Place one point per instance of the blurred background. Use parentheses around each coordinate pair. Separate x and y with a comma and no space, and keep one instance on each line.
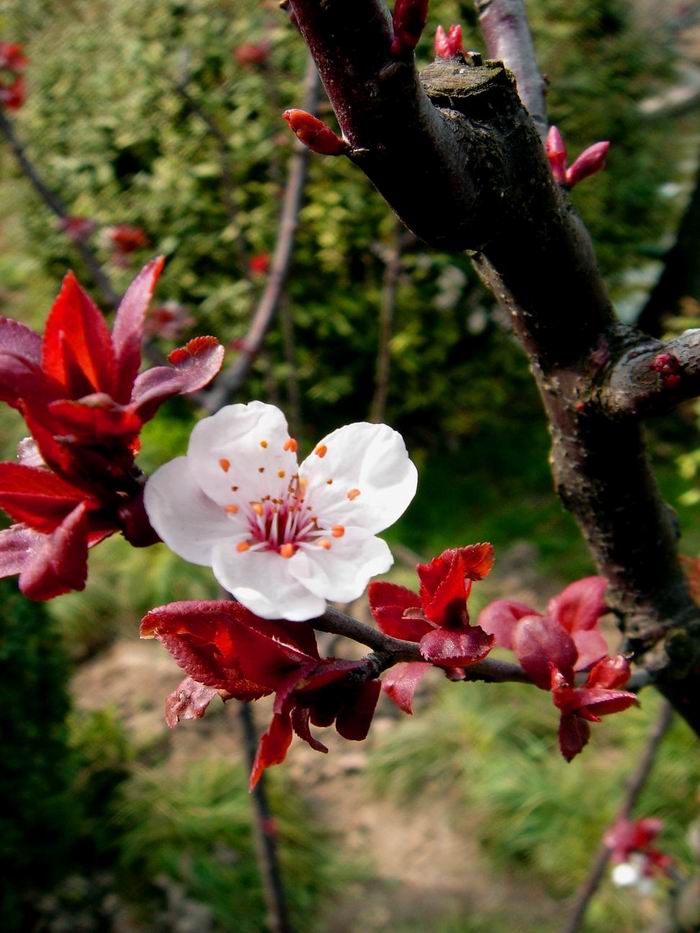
(165,116)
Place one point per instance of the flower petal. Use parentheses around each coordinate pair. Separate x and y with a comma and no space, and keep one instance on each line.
(401,681)
(500,617)
(262,581)
(342,572)
(127,332)
(231,447)
(185,518)
(373,480)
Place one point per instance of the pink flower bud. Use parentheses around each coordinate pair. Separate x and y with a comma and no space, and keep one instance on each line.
(314,134)
(410,17)
(448,44)
(259,264)
(251,53)
(556,153)
(590,161)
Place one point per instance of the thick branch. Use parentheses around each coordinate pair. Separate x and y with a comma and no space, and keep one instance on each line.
(232,379)
(634,789)
(507,35)
(57,207)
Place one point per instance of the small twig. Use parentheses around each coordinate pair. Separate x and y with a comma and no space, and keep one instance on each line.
(392,272)
(293,390)
(508,39)
(634,788)
(57,207)
(265,834)
(231,380)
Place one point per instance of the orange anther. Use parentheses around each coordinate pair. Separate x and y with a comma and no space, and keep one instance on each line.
(242,546)
(290,444)
(258,508)
(225,464)
(321,450)
(329,482)
(231,509)
(263,444)
(353,494)
(337,531)
(261,469)
(325,544)
(287,550)
(281,474)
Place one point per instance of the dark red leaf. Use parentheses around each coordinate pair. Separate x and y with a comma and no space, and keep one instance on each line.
(127,332)
(591,647)
(388,602)
(36,496)
(610,673)
(20,362)
(456,647)
(93,419)
(300,724)
(401,681)
(77,349)
(539,643)
(500,617)
(189,701)
(135,524)
(580,605)
(194,365)
(603,702)
(574,734)
(355,716)
(444,590)
(477,560)
(273,746)
(58,562)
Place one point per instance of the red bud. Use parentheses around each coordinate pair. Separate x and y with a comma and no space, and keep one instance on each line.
(556,153)
(448,44)
(410,17)
(314,134)
(590,161)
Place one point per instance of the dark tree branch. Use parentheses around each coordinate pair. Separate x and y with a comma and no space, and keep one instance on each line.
(463,166)
(634,789)
(58,208)
(507,35)
(232,379)
(265,833)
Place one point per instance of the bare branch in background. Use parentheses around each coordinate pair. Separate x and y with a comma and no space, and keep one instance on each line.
(58,208)
(634,789)
(292,377)
(507,35)
(392,272)
(231,380)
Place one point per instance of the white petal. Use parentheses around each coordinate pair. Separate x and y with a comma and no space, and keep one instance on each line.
(262,581)
(242,446)
(184,517)
(342,572)
(371,458)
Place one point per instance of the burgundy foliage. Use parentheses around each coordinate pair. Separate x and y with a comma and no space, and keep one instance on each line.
(448,44)
(628,837)
(84,402)
(314,134)
(225,649)
(590,161)
(409,17)
(12,65)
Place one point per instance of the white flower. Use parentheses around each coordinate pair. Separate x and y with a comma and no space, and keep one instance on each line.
(283,538)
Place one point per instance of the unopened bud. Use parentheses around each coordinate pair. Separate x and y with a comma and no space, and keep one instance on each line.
(668,367)
(252,53)
(556,153)
(448,44)
(590,161)
(410,17)
(315,134)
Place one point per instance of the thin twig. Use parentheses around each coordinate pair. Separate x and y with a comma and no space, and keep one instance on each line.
(231,380)
(265,833)
(292,379)
(57,207)
(392,272)
(634,788)
(507,35)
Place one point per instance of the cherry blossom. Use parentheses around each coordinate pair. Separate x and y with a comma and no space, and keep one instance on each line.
(283,538)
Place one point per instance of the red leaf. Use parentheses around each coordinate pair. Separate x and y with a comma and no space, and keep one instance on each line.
(36,496)
(300,724)
(127,332)
(444,590)
(57,562)
(93,419)
(16,543)
(355,716)
(77,348)
(540,643)
(189,701)
(410,17)
(314,133)
(273,747)
(500,617)
(477,560)
(574,734)
(580,605)
(20,361)
(610,673)
(590,161)
(456,647)
(388,602)
(591,647)
(194,365)
(401,681)
(603,702)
